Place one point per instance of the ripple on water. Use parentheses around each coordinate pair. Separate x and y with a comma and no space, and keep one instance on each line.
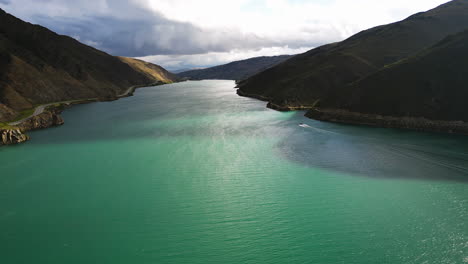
(192,173)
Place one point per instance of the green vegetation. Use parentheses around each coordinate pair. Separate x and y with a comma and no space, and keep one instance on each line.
(24,114)
(56,105)
(5,126)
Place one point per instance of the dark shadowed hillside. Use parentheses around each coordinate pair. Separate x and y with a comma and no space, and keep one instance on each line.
(237,70)
(39,66)
(310,78)
(433,84)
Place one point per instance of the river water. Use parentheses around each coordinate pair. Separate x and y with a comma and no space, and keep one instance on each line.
(192,173)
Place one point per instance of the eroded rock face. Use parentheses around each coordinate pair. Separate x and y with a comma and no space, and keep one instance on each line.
(44,120)
(12,136)
(17,134)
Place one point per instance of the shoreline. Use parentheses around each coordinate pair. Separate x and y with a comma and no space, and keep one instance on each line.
(373,120)
(48,115)
(342,116)
(274,106)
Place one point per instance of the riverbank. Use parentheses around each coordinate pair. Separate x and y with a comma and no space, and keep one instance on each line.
(411,123)
(48,115)
(283,107)
(354,118)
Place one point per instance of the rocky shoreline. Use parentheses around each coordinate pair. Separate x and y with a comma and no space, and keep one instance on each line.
(288,107)
(17,134)
(374,120)
(49,118)
(12,136)
(283,107)
(255,96)
(411,123)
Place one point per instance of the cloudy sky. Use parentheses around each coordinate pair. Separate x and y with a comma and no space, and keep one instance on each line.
(198,33)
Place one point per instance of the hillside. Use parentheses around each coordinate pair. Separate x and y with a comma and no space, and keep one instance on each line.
(237,70)
(313,77)
(432,84)
(152,71)
(38,66)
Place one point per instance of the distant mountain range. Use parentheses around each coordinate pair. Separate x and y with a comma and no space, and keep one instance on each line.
(237,70)
(185,70)
(38,66)
(392,70)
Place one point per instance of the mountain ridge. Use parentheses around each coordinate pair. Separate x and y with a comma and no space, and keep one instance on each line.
(408,74)
(236,70)
(39,66)
(440,96)
(319,73)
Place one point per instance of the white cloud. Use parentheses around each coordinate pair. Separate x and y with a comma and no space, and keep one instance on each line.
(175,62)
(206,32)
(294,22)
(324,20)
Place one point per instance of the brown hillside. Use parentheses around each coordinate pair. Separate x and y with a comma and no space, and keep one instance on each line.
(38,66)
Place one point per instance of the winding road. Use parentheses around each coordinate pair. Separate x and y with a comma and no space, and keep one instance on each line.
(128,92)
(39,110)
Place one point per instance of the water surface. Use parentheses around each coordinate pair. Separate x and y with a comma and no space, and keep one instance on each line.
(192,173)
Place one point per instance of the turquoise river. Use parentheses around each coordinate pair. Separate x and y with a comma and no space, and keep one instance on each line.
(193,173)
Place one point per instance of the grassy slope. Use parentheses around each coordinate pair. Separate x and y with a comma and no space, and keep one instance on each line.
(323,72)
(42,66)
(432,84)
(152,71)
(38,66)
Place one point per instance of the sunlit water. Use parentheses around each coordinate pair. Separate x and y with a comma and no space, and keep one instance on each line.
(192,173)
